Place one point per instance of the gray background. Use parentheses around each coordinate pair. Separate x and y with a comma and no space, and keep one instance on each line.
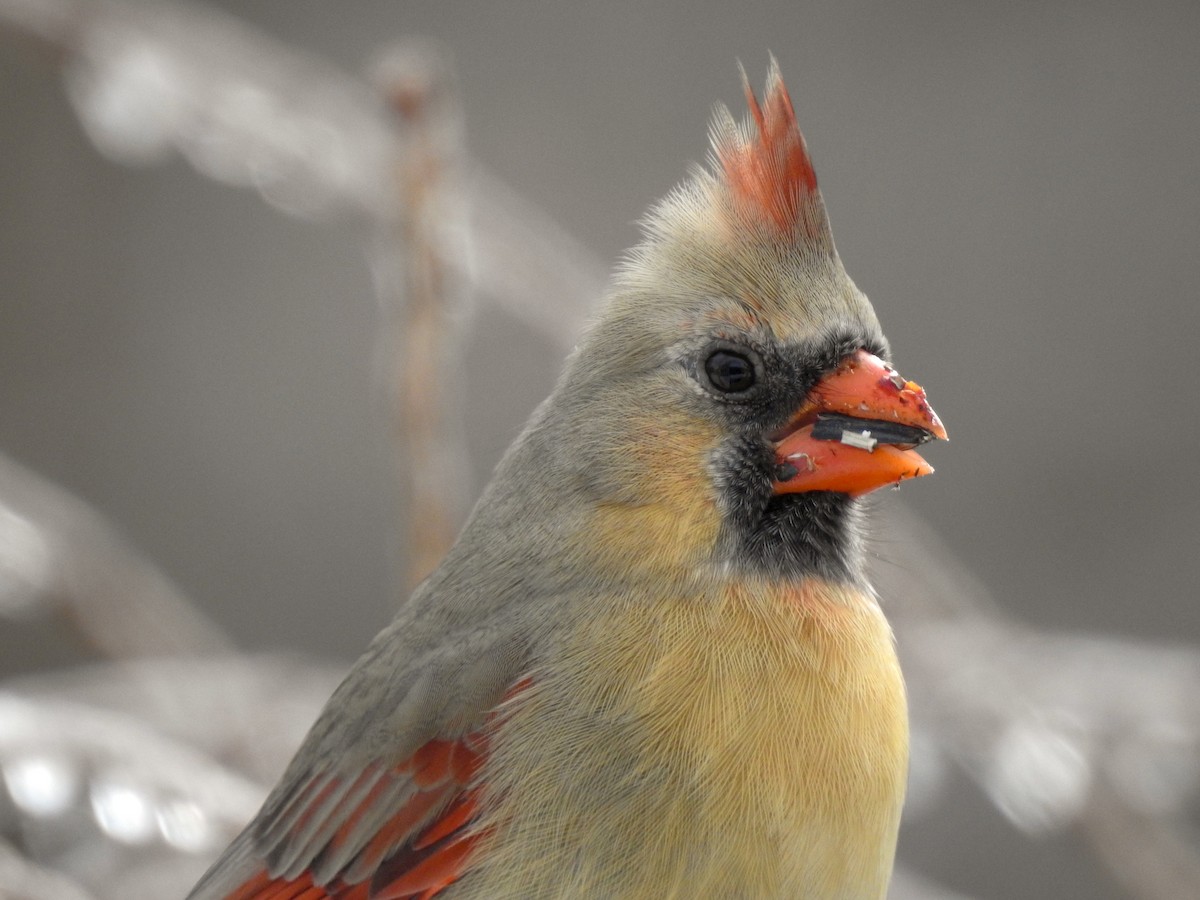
(1013,184)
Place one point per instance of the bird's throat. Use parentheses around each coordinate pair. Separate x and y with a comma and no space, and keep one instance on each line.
(797,536)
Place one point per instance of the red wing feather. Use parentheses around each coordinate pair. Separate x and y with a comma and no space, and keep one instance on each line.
(417,849)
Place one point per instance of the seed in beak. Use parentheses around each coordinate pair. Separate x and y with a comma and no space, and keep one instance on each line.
(860,439)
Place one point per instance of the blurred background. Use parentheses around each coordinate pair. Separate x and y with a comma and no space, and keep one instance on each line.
(197,339)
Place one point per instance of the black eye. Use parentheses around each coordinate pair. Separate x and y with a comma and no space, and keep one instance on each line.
(729,372)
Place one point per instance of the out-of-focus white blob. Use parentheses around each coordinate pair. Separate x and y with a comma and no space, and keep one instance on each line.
(185,826)
(249,138)
(25,562)
(1039,773)
(139,784)
(41,785)
(122,810)
(225,149)
(318,147)
(129,96)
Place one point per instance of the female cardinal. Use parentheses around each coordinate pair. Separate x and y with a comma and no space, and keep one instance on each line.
(651,666)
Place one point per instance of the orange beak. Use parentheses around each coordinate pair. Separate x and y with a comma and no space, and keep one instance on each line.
(856,432)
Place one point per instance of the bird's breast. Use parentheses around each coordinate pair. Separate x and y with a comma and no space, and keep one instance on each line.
(749,742)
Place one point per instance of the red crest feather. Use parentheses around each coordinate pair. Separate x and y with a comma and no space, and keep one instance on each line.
(767,166)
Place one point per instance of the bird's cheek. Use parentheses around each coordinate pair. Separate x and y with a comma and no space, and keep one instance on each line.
(658,508)
(651,540)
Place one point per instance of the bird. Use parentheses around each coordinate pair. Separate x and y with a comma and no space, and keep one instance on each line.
(651,665)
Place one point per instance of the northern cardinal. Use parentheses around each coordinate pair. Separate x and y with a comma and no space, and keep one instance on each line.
(651,666)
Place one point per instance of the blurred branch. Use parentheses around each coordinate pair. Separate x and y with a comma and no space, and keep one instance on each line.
(425,301)
(527,264)
(58,555)
(104,795)
(130,776)
(151,79)
(248,712)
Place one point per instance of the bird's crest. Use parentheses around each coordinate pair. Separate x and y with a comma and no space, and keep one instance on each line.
(766,166)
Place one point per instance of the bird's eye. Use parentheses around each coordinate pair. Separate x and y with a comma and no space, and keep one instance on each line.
(729,372)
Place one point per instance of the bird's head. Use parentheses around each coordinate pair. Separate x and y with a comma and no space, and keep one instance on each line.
(735,396)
